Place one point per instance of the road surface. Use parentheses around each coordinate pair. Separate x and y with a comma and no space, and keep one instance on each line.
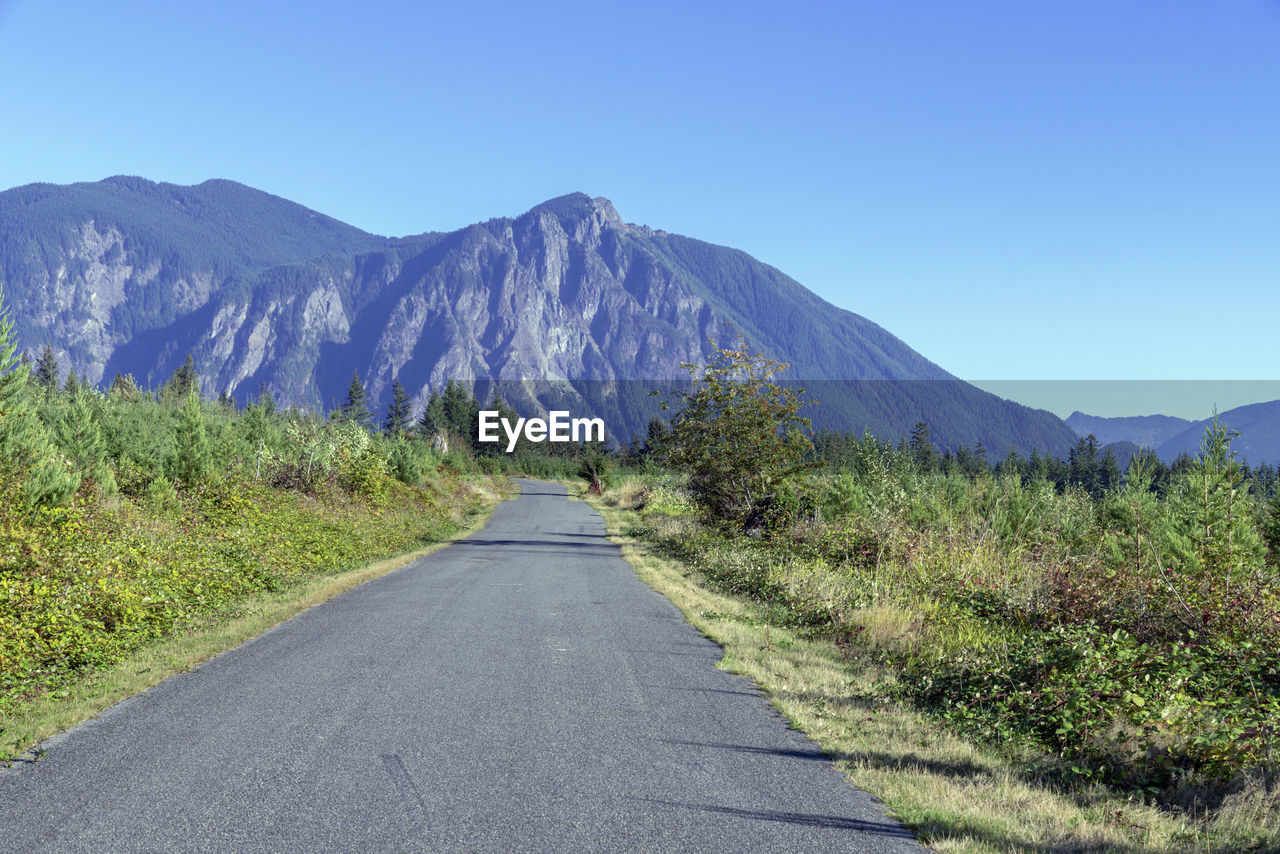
(519,691)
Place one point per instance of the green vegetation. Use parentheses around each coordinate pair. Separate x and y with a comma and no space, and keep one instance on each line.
(129,517)
(738,436)
(213,268)
(1108,636)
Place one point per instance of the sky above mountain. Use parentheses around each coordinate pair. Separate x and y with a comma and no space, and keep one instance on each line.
(1071,191)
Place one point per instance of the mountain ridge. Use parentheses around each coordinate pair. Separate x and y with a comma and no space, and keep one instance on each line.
(1146,431)
(1258,426)
(129,275)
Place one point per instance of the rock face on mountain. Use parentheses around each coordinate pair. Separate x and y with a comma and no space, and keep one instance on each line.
(567,301)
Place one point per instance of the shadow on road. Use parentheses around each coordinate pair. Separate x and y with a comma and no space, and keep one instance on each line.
(835,822)
(743,748)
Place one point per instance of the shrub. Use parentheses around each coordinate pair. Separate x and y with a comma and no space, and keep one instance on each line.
(738,436)
(403,463)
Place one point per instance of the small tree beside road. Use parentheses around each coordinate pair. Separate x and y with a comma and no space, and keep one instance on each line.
(738,435)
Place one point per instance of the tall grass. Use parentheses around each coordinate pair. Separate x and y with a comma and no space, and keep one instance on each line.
(1128,641)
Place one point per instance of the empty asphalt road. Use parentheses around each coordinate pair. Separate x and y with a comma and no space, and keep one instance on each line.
(517,691)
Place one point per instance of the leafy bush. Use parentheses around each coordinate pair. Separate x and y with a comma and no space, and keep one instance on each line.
(738,436)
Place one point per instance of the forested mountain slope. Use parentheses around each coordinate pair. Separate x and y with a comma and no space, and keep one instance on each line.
(567,304)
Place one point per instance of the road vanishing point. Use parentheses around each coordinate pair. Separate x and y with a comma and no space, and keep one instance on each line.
(518,691)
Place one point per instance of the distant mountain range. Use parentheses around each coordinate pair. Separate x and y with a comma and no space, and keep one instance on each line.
(1258,425)
(1147,431)
(567,303)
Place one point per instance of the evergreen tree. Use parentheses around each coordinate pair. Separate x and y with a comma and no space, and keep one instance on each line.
(1013,465)
(969,463)
(1108,473)
(266,399)
(1216,514)
(46,374)
(460,411)
(28,457)
(124,387)
(432,420)
(656,439)
(399,411)
(356,407)
(1085,463)
(79,436)
(192,460)
(403,463)
(1153,465)
(72,386)
(504,410)
(922,450)
(182,384)
(1136,521)
(1271,524)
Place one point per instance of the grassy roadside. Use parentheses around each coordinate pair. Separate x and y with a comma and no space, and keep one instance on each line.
(955,795)
(31,721)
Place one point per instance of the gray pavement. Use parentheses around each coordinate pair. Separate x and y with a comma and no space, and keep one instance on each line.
(519,691)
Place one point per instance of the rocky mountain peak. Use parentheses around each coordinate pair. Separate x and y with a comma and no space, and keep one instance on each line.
(567,300)
(603,209)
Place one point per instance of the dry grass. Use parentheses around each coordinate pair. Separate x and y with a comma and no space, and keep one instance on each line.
(957,796)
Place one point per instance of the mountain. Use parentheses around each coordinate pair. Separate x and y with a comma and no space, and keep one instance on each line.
(92,268)
(1147,431)
(1258,425)
(1124,452)
(564,304)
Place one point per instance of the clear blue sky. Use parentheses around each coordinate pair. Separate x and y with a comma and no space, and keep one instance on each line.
(1072,190)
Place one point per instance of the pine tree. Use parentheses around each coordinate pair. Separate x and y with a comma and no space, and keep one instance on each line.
(656,439)
(1108,472)
(1271,523)
(922,450)
(266,399)
(1216,513)
(460,410)
(46,374)
(27,454)
(1136,521)
(79,436)
(399,411)
(1086,465)
(182,384)
(192,460)
(124,387)
(432,419)
(356,408)
(72,386)
(403,463)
